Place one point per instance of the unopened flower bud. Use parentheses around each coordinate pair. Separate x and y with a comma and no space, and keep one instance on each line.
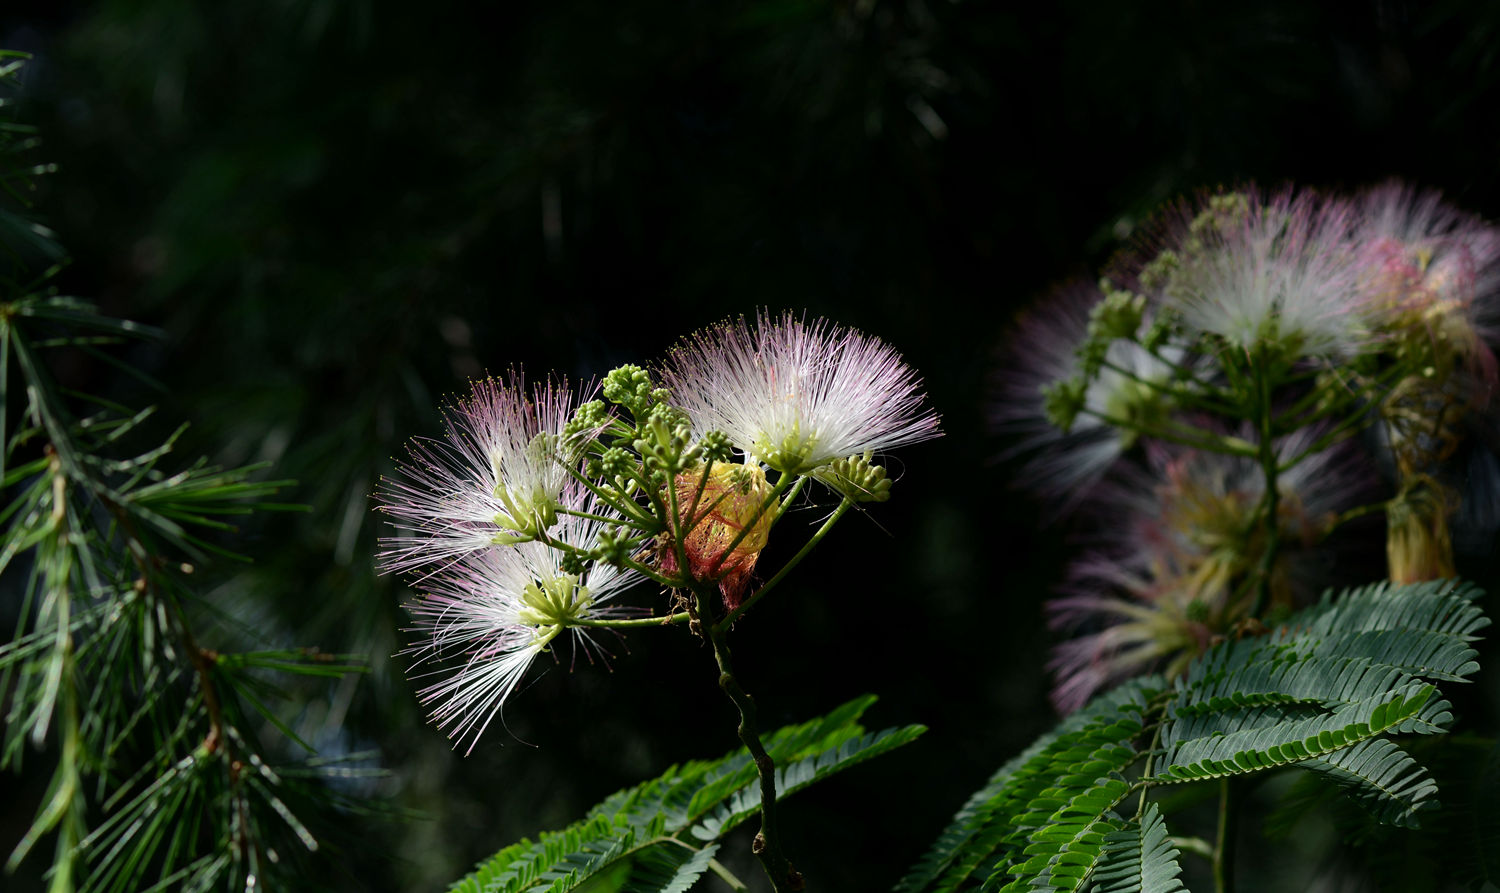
(1062,401)
(1418,545)
(856,478)
(715,447)
(1117,316)
(629,386)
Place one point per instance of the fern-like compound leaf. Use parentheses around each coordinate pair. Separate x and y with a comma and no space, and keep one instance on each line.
(1139,858)
(1072,770)
(1381,777)
(1323,693)
(660,836)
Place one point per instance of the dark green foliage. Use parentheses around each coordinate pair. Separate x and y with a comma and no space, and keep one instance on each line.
(1320,693)
(163,778)
(986,833)
(661,835)
(1140,857)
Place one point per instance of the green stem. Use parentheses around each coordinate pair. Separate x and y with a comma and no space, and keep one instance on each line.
(1358,511)
(1223,853)
(1271,500)
(634,622)
(727,876)
(1195,845)
(1187,437)
(622,522)
(1145,782)
(807,547)
(788,499)
(626,507)
(767,843)
(1187,397)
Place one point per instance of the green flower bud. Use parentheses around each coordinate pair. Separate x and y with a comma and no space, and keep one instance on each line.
(628,386)
(1062,401)
(856,478)
(614,547)
(574,563)
(555,602)
(1118,315)
(1160,270)
(715,446)
(589,417)
(613,463)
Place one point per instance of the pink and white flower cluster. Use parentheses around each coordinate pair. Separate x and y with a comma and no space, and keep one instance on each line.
(1327,291)
(502,523)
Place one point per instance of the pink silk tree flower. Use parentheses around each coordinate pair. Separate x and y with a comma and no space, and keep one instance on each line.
(1063,465)
(1181,541)
(797,395)
(1278,271)
(487,615)
(1435,273)
(496,477)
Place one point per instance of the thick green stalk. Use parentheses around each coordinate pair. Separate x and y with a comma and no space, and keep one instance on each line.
(767,843)
(1223,861)
(1271,500)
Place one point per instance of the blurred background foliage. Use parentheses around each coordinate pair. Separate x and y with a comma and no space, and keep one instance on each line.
(341,210)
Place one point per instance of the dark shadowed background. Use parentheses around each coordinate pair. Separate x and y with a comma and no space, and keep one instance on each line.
(341,211)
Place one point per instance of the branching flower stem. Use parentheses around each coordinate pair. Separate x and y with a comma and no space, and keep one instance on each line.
(767,844)
(1270,467)
(1181,435)
(807,547)
(1187,397)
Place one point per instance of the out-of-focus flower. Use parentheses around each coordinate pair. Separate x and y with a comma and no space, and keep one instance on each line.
(486,616)
(1062,465)
(715,509)
(797,395)
(1137,620)
(1278,273)
(1182,553)
(1418,543)
(496,477)
(1434,272)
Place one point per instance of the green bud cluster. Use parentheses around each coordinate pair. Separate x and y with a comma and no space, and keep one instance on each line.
(663,439)
(715,447)
(630,387)
(1062,401)
(575,563)
(588,418)
(1223,213)
(1160,270)
(615,547)
(1163,327)
(1119,315)
(856,478)
(611,464)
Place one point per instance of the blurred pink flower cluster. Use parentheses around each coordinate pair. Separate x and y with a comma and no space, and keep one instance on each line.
(1384,304)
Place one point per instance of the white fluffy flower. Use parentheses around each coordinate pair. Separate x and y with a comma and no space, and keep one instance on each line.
(1282,271)
(487,616)
(1043,350)
(795,394)
(496,477)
